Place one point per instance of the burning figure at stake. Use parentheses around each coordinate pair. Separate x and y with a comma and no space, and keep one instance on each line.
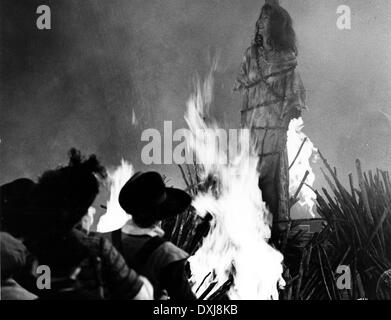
(235,257)
(273,95)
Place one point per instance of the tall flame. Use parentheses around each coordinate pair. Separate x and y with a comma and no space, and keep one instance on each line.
(115,217)
(237,242)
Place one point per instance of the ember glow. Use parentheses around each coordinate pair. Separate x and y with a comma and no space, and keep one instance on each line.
(237,242)
(115,217)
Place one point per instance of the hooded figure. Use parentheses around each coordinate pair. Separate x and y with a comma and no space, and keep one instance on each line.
(149,201)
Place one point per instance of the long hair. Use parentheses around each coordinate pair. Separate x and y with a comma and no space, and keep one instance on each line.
(282,37)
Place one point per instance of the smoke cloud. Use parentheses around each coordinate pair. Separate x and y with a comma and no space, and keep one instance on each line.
(105,64)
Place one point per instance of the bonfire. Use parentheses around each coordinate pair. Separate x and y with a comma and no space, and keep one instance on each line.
(227,228)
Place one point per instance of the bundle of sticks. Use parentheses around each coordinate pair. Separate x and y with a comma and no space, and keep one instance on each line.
(355,236)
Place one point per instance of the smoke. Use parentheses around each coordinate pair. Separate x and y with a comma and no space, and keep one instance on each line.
(78,84)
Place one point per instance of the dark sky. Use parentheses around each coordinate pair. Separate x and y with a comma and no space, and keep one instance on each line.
(78,84)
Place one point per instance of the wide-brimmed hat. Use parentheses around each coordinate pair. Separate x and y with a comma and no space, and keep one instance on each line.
(147,194)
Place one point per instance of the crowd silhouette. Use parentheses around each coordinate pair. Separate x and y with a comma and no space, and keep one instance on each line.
(41,226)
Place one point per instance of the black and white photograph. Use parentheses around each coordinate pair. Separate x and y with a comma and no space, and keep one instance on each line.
(196,153)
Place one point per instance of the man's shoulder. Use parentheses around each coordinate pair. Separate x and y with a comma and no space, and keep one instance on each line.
(168,252)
